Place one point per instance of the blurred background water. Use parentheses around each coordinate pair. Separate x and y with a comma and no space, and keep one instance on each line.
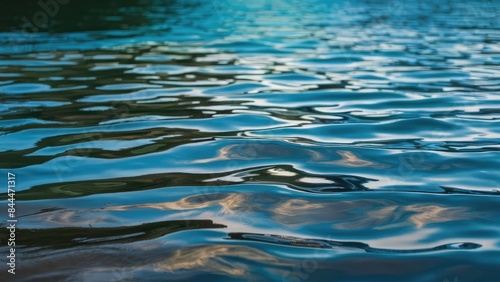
(252,140)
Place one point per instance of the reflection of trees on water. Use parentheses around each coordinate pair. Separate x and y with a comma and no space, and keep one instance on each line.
(85,15)
(76,236)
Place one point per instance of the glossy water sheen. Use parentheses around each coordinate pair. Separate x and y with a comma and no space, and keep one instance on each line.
(254,140)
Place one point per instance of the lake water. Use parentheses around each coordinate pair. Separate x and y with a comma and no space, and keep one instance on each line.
(252,140)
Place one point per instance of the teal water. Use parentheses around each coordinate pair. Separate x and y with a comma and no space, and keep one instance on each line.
(252,140)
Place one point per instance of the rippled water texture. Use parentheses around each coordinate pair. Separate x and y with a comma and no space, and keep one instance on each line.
(252,140)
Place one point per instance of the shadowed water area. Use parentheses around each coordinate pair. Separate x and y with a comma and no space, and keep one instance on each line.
(257,140)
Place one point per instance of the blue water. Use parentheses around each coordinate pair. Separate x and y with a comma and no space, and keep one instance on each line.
(253,140)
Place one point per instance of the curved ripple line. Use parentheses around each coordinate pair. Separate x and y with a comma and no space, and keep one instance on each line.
(330,244)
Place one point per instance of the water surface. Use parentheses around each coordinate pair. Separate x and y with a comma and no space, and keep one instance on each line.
(253,140)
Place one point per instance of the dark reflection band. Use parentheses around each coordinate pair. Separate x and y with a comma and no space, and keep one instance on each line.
(330,244)
(76,236)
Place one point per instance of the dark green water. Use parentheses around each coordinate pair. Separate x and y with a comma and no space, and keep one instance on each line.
(251,140)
